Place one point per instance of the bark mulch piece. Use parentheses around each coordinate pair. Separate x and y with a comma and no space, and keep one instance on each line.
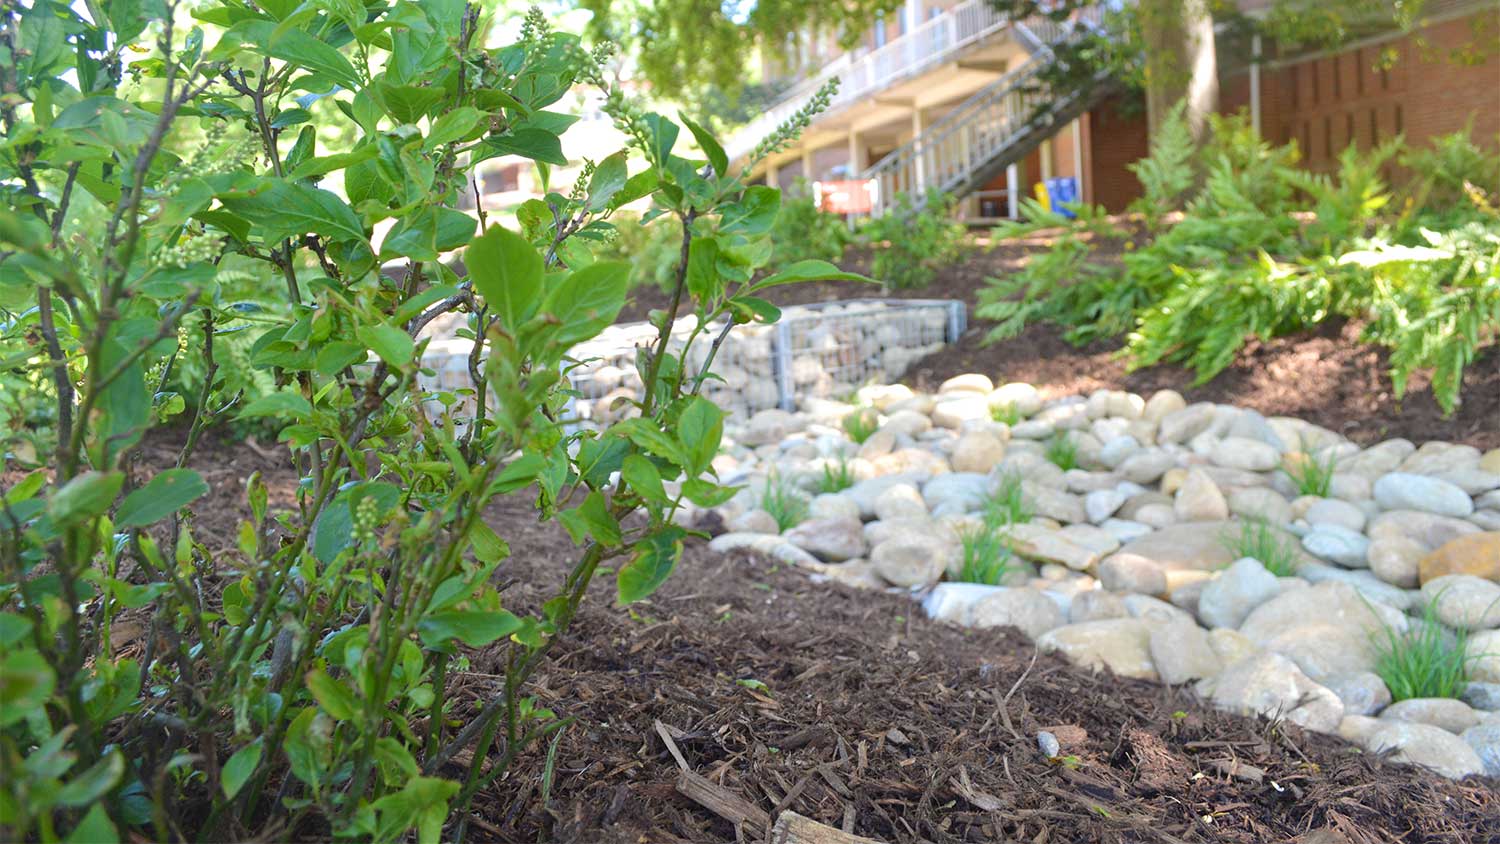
(851,708)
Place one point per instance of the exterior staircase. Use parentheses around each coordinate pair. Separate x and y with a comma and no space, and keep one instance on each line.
(998,126)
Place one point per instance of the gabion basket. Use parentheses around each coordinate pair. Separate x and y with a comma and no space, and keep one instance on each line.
(826,350)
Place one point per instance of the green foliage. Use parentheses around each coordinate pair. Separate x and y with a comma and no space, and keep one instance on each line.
(167,187)
(784,503)
(1005,413)
(860,424)
(653,248)
(1426,660)
(1260,541)
(1062,451)
(1312,474)
(837,476)
(804,231)
(910,243)
(1006,503)
(987,555)
(1167,173)
(1264,249)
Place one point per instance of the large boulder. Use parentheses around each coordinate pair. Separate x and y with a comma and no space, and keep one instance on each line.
(1269,684)
(1425,745)
(1123,645)
(1328,629)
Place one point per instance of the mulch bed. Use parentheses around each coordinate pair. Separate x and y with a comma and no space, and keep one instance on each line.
(1326,376)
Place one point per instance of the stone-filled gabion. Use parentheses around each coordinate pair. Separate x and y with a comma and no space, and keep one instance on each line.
(818,351)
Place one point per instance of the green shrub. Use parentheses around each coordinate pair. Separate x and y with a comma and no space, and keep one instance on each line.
(653,248)
(804,231)
(1425,660)
(1264,249)
(784,504)
(1062,451)
(297,685)
(910,244)
(987,555)
(1270,547)
(837,476)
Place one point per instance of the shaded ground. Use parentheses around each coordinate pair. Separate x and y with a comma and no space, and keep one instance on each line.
(1326,377)
(850,707)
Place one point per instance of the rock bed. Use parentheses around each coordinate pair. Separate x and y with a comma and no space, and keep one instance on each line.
(822,351)
(1127,562)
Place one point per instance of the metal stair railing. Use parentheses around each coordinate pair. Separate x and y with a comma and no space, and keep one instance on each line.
(1011,110)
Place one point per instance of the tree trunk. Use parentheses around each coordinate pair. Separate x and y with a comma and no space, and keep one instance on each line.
(1181,63)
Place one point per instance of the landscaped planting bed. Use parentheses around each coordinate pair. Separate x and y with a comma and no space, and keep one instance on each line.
(1271,565)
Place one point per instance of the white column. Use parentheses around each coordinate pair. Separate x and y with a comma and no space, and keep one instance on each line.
(807,166)
(1012,190)
(856,166)
(773,174)
(1255,83)
(919,164)
(1046,155)
(1078,155)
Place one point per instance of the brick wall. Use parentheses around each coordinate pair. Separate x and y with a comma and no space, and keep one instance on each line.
(1112,140)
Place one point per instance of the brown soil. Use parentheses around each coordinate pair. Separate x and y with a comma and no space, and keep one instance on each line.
(852,708)
(1327,376)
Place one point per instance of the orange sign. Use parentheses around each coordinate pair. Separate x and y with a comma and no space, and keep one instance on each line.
(850,196)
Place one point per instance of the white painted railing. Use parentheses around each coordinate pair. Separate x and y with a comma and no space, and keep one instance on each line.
(934,42)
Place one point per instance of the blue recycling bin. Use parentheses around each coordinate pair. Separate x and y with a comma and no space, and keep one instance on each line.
(1061,191)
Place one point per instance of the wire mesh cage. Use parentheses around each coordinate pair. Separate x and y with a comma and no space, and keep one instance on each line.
(826,350)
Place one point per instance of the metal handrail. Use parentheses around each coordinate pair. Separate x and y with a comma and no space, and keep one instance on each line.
(931,43)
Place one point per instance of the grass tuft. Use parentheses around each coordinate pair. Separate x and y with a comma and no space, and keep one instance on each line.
(1062,450)
(1311,475)
(987,555)
(1258,540)
(837,476)
(1006,413)
(787,506)
(1006,504)
(1427,660)
(860,424)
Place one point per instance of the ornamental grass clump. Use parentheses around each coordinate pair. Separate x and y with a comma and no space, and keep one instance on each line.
(1425,660)
(784,503)
(1270,547)
(297,685)
(987,555)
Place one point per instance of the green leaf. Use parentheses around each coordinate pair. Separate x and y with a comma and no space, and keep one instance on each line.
(12,628)
(641,475)
(588,300)
(454,125)
(472,627)
(329,163)
(663,137)
(507,271)
(654,560)
(602,525)
(333,696)
(87,495)
(699,429)
(95,828)
(637,186)
(535,144)
(239,768)
(282,209)
(26,682)
(753,308)
(703,279)
(488,547)
(93,783)
(608,180)
(754,213)
(294,46)
(164,495)
(28,487)
(285,404)
(394,346)
(710,147)
(809,270)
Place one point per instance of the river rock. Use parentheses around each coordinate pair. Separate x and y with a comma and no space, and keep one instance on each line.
(1362,693)
(907,423)
(1406,491)
(1024,398)
(977,452)
(1482,696)
(768,544)
(1476,554)
(954,412)
(1396,560)
(1464,601)
(900,501)
(969,382)
(832,505)
(952,602)
(1045,545)
(1096,605)
(1147,466)
(1132,573)
(1123,645)
(1425,745)
(1052,504)
(912,561)
(1162,404)
(1482,656)
(1485,741)
(1338,544)
(1455,716)
(834,540)
(1199,499)
(1332,511)
(955,492)
(1185,424)
(1027,610)
(1228,598)
(1246,454)
(754,521)
(1099,505)
(1262,503)
(1269,684)
(1192,545)
(1328,629)
(1181,653)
